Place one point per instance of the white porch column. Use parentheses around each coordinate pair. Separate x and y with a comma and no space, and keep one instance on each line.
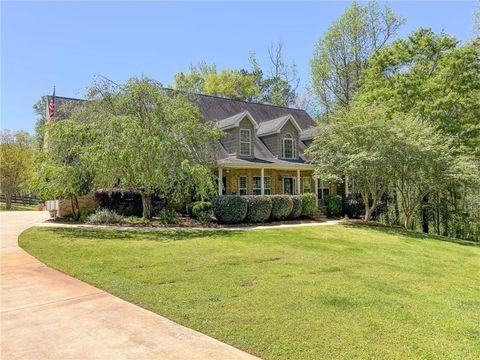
(316,191)
(298,181)
(262,179)
(220,181)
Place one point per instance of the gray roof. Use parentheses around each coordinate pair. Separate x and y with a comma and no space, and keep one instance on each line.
(231,121)
(309,134)
(272,126)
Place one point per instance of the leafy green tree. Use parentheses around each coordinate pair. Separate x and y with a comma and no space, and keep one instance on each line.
(15,163)
(342,53)
(39,108)
(148,139)
(432,77)
(355,143)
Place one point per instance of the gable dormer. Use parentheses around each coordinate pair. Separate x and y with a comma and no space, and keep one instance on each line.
(281,136)
(239,133)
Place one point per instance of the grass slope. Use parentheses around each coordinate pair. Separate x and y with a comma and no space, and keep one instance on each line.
(18,207)
(311,293)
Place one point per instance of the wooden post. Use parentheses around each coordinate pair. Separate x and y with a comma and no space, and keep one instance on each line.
(316,191)
(298,181)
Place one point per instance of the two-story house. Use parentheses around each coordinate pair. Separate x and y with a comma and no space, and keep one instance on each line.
(262,151)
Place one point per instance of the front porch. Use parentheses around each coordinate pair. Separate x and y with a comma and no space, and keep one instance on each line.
(271,181)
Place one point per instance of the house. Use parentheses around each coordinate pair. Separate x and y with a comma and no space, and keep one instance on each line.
(262,151)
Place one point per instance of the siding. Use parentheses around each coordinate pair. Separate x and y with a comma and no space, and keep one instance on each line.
(274,142)
(231,141)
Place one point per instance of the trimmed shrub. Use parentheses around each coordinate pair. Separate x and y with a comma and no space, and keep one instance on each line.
(309,204)
(259,208)
(282,206)
(125,201)
(230,208)
(105,216)
(296,208)
(333,204)
(202,211)
(191,205)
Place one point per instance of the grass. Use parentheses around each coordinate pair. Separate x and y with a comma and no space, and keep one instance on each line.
(332,292)
(18,207)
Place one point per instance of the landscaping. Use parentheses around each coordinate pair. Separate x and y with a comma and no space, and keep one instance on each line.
(304,293)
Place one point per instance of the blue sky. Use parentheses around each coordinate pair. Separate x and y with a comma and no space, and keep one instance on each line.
(67,43)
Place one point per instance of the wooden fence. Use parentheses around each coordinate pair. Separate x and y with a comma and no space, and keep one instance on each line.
(22,199)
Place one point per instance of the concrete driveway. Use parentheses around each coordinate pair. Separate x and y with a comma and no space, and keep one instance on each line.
(46,314)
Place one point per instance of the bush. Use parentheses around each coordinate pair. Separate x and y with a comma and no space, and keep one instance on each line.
(168,216)
(125,201)
(230,208)
(191,205)
(85,214)
(296,208)
(105,216)
(202,211)
(309,204)
(354,207)
(333,204)
(259,208)
(282,206)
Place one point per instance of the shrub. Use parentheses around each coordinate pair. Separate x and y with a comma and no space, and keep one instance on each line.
(333,204)
(125,202)
(354,207)
(85,214)
(259,208)
(282,206)
(296,208)
(202,211)
(230,208)
(191,205)
(105,216)
(309,204)
(168,216)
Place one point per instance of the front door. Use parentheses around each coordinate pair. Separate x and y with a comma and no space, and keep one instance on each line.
(288,187)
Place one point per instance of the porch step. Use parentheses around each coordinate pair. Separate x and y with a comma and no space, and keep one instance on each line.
(319,215)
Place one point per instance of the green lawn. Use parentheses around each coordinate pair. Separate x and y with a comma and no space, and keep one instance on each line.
(18,207)
(331,292)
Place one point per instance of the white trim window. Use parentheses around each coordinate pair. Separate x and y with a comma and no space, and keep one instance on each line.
(257,185)
(245,142)
(288,147)
(242,185)
(307,184)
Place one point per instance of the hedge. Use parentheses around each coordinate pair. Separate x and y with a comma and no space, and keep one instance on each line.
(259,208)
(309,204)
(125,202)
(282,206)
(333,204)
(296,208)
(230,208)
(201,210)
(191,205)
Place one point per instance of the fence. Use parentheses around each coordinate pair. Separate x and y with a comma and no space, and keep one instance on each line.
(21,199)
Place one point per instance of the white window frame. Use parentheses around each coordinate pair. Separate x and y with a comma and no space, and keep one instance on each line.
(267,185)
(289,137)
(307,180)
(240,188)
(242,142)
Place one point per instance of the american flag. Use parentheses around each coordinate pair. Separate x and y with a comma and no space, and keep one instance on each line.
(51,105)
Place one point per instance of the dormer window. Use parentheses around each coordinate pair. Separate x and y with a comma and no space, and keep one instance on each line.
(245,142)
(288,147)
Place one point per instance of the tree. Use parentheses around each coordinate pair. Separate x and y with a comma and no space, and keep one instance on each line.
(148,139)
(355,144)
(39,108)
(229,83)
(278,86)
(15,163)
(342,54)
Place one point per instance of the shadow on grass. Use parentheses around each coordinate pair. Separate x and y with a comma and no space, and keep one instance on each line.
(397,231)
(113,234)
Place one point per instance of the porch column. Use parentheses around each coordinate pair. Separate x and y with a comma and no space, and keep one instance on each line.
(298,181)
(262,179)
(220,181)
(316,191)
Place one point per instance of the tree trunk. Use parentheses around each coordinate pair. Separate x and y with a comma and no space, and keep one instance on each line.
(397,210)
(147,206)
(425,214)
(408,221)
(8,200)
(75,207)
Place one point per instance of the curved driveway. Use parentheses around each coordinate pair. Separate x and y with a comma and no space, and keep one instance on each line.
(46,314)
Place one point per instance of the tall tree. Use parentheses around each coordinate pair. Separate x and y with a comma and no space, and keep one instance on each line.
(149,139)
(342,53)
(278,85)
(355,143)
(39,109)
(15,163)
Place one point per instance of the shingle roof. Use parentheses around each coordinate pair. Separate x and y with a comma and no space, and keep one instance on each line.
(275,125)
(309,133)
